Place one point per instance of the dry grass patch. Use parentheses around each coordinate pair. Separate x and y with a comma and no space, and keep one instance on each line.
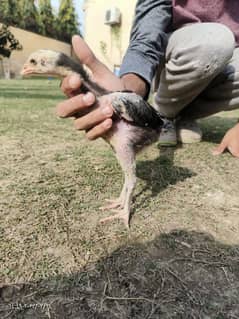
(54,252)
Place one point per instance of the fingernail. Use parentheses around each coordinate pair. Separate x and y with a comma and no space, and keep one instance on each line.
(60,111)
(77,125)
(89,98)
(215,152)
(75,37)
(74,82)
(107,124)
(107,111)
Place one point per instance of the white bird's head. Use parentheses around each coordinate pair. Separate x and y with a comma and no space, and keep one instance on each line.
(47,63)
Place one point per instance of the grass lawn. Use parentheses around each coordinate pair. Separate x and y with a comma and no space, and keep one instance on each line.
(180,258)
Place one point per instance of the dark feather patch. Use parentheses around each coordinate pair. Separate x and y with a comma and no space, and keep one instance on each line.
(129,106)
(137,111)
(69,63)
(78,68)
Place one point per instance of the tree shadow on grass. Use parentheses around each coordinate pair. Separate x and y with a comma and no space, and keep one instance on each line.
(177,275)
(161,172)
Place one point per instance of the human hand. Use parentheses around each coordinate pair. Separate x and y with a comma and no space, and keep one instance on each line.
(93,116)
(230,142)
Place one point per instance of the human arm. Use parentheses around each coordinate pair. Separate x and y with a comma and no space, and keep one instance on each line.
(91,115)
(141,60)
(148,39)
(230,142)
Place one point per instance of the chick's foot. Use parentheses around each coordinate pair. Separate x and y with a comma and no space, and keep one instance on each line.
(122,214)
(113,203)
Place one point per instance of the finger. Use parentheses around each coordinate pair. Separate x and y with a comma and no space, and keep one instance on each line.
(71,84)
(93,118)
(99,130)
(233,151)
(101,73)
(75,104)
(83,51)
(86,55)
(220,149)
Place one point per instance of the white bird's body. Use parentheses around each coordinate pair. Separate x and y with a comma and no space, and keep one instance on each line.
(136,123)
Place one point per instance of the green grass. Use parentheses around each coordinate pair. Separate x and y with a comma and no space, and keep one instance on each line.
(53,181)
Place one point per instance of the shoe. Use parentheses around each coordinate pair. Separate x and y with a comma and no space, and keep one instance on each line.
(168,136)
(188,131)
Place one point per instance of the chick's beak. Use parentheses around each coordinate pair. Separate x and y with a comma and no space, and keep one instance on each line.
(27,70)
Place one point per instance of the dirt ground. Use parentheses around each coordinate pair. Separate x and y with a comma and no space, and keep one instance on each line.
(177,275)
(180,258)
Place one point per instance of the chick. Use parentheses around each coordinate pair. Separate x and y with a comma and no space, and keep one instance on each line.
(136,123)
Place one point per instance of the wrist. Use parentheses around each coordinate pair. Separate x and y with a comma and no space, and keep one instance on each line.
(135,83)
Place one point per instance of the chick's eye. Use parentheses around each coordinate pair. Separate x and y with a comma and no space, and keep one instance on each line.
(43,62)
(34,62)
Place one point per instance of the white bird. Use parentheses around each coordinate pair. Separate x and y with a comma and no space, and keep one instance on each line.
(135,122)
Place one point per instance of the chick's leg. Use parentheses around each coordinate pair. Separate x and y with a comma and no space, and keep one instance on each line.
(126,157)
(116,202)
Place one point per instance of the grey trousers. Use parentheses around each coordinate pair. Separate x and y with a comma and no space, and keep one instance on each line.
(200,76)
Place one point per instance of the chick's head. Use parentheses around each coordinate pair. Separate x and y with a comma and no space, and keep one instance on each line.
(42,62)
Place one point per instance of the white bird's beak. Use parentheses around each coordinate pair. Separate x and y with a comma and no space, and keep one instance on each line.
(27,70)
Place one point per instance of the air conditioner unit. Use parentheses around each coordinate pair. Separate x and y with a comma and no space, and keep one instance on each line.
(112,16)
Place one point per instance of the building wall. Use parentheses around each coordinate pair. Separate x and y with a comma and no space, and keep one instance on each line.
(30,42)
(108,43)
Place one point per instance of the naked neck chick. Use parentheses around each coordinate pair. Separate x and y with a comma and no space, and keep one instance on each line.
(136,123)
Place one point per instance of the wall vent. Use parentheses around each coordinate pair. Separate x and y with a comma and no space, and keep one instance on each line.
(112,16)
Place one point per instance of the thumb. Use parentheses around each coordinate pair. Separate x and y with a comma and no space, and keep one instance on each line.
(86,55)
(220,149)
